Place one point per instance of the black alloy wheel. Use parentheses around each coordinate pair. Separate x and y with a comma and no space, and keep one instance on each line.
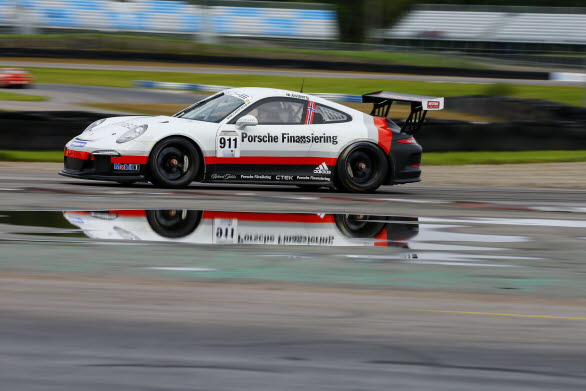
(361,168)
(174,163)
(174,223)
(359,226)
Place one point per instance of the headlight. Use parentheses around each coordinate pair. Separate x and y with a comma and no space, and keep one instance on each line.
(93,125)
(133,133)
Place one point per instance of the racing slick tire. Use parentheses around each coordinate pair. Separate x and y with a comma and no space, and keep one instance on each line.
(173,163)
(175,223)
(361,168)
(359,226)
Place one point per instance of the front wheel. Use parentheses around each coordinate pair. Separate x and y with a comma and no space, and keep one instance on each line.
(361,168)
(174,163)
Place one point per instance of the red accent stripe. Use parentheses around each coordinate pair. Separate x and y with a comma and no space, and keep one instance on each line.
(383,236)
(271,160)
(129,213)
(77,154)
(385,135)
(272,217)
(130,159)
(119,159)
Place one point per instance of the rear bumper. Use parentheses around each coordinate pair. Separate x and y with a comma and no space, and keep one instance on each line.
(406,163)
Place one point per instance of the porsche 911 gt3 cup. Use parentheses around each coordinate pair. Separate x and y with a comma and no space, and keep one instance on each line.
(261,136)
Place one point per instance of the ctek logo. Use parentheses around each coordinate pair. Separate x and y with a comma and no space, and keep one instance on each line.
(322,169)
(433,104)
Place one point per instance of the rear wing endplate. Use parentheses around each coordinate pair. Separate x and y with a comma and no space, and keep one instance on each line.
(420,104)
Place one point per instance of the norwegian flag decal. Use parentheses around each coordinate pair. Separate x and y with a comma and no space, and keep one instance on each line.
(310,112)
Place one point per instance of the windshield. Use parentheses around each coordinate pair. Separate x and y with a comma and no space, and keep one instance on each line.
(214,109)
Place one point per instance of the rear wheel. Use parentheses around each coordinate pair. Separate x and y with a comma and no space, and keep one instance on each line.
(361,168)
(174,163)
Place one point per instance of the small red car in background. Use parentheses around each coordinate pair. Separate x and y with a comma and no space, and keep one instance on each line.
(18,78)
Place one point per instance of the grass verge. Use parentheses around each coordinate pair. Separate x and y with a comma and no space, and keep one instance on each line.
(134,43)
(567,95)
(21,97)
(484,157)
(31,156)
(429,159)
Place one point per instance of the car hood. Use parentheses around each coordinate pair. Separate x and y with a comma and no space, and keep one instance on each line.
(116,126)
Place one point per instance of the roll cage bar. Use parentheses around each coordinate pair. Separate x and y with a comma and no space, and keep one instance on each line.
(420,104)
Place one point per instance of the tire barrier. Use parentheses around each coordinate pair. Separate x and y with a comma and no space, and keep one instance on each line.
(43,130)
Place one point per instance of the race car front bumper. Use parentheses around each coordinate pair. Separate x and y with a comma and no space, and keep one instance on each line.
(85,165)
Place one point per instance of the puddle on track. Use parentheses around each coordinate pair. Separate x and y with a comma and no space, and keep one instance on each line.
(468,253)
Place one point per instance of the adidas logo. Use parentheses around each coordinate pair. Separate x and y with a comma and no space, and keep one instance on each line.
(322,169)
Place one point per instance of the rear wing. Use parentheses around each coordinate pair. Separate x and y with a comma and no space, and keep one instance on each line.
(420,104)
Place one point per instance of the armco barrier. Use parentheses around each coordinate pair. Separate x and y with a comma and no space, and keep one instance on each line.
(42,130)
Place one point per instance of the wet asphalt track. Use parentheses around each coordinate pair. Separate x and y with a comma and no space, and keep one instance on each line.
(486,294)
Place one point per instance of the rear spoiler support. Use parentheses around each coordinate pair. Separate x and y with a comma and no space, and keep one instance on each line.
(383,100)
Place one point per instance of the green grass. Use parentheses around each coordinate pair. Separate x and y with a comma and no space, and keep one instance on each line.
(31,156)
(429,159)
(93,41)
(567,95)
(483,157)
(21,97)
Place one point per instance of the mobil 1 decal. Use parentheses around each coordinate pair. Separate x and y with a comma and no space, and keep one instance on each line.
(228,144)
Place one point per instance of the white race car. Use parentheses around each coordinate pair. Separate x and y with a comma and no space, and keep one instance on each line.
(257,135)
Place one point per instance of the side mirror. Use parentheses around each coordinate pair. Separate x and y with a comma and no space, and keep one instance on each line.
(247,120)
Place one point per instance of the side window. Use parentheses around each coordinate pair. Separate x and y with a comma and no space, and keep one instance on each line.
(274,111)
(325,115)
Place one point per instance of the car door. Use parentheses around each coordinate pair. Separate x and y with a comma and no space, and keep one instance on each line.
(270,151)
(331,130)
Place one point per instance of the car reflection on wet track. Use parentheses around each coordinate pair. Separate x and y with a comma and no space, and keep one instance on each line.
(215,227)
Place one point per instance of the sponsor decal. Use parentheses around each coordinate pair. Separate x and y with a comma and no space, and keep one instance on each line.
(126,167)
(284,177)
(287,138)
(223,176)
(433,104)
(78,144)
(312,178)
(270,238)
(322,169)
(255,176)
(298,96)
